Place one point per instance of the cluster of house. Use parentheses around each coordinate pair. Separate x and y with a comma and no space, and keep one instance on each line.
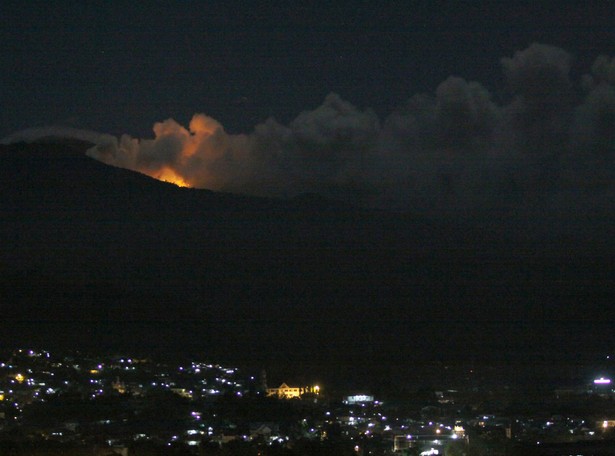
(130,400)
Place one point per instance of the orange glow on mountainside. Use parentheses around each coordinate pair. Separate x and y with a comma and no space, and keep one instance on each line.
(170,176)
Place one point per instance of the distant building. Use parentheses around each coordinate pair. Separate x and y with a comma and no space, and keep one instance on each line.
(119,386)
(358,399)
(183,392)
(288,392)
(602,386)
(606,424)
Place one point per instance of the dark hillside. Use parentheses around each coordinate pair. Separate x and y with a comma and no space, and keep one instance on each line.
(105,258)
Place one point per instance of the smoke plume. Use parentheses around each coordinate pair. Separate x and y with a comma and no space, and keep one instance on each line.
(452,150)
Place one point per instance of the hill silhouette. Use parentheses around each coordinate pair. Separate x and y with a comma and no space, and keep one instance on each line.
(102,258)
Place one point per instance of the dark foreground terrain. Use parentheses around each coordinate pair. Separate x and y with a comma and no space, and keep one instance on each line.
(103,258)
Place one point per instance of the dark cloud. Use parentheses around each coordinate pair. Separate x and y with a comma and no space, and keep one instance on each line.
(465,114)
(536,122)
(454,150)
(33,134)
(603,69)
(539,76)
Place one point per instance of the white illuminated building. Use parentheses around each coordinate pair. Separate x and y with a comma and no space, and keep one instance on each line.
(603,386)
(358,399)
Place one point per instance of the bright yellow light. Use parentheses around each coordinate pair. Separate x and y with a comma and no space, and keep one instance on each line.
(317,389)
(20,378)
(93,371)
(170,176)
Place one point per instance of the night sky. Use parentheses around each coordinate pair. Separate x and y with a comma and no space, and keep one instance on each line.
(119,68)
(420,105)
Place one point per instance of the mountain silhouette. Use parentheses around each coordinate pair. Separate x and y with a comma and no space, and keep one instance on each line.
(102,258)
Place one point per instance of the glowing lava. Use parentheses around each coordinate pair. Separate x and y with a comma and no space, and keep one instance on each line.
(170,176)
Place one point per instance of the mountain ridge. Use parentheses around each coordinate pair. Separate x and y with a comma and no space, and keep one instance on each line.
(106,257)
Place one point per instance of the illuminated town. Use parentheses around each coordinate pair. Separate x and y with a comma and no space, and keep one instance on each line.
(343,228)
(105,405)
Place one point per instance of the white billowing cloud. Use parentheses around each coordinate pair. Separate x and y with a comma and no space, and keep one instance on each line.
(328,147)
(454,149)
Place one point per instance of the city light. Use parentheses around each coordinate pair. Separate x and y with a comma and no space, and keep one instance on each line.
(430,452)
(358,417)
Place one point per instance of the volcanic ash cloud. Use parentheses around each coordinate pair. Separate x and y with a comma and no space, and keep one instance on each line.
(456,149)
